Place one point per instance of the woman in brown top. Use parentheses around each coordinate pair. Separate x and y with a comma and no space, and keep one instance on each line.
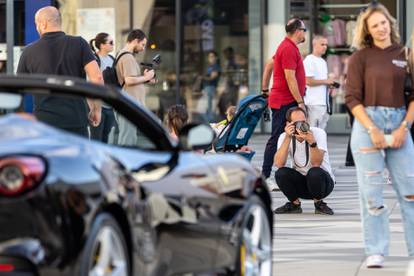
(380,138)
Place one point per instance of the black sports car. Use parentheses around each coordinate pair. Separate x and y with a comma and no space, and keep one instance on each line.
(72,206)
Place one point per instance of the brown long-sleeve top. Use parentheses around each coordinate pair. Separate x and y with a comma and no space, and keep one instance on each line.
(376,77)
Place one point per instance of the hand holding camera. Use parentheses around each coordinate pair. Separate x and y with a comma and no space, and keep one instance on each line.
(149,74)
(298,128)
(290,129)
(301,126)
(335,85)
(302,130)
(149,68)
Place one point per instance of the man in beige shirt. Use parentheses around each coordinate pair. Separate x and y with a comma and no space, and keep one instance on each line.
(129,74)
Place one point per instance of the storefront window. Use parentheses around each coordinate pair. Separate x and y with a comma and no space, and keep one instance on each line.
(162,41)
(215,58)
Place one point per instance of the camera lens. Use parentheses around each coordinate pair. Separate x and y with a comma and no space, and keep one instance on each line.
(302,126)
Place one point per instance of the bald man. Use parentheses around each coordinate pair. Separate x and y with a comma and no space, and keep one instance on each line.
(56,53)
(318,83)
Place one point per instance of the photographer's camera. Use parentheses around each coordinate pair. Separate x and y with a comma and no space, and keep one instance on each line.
(302,126)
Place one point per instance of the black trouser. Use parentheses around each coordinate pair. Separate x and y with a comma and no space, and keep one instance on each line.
(101,132)
(278,127)
(349,160)
(317,184)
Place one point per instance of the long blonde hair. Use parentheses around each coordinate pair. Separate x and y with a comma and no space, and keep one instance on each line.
(362,38)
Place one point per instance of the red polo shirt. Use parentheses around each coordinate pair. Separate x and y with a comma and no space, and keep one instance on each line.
(287,57)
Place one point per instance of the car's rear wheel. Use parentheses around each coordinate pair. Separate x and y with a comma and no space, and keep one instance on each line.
(255,248)
(106,253)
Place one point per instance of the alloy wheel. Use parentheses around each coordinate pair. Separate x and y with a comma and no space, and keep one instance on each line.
(109,257)
(256,245)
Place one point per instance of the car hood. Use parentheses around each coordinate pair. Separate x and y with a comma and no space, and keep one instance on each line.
(19,134)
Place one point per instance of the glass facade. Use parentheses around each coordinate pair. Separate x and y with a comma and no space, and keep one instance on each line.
(243,34)
(207,86)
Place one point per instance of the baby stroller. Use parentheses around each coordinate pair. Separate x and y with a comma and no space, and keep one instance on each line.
(238,131)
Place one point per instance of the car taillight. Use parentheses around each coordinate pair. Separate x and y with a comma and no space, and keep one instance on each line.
(6,267)
(20,174)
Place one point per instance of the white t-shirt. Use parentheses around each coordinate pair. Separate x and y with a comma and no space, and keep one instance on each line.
(106,61)
(300,154)
(317,68)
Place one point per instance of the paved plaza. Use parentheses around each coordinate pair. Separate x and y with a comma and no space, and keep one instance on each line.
(308,244)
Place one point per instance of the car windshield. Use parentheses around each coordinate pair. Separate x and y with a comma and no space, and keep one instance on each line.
(78,116)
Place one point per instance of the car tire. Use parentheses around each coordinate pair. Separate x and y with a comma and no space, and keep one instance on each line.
(105,249)
(254,255)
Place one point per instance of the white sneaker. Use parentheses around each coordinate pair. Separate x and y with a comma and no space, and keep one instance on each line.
(375,261)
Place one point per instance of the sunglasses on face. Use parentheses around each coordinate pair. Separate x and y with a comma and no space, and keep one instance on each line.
(110,42)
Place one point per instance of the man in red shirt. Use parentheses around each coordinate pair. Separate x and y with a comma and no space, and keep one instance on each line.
(288,85)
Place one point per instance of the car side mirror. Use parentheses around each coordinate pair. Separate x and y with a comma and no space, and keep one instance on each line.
(10,101)
(196,136)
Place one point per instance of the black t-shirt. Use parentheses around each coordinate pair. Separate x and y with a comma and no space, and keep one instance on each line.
(58,54)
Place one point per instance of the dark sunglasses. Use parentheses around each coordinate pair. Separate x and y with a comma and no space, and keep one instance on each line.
(110,42)
(371,5)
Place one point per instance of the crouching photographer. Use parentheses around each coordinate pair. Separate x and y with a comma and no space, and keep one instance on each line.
(310,175)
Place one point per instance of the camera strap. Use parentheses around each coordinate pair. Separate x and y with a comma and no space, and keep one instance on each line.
(328,100)
(294,151)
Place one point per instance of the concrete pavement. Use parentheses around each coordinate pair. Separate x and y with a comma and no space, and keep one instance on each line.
(309,244)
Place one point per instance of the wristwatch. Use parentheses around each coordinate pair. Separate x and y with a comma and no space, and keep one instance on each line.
(313,145)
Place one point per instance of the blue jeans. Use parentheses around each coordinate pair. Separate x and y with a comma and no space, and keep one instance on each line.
(210,90)
(370,164)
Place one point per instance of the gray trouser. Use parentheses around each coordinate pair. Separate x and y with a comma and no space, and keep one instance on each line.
(127,135)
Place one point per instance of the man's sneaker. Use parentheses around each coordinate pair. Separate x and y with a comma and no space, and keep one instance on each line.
(322,208)
(289,208)
(375,261)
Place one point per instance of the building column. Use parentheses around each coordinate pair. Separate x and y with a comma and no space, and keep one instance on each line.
(273,34)
(410,21)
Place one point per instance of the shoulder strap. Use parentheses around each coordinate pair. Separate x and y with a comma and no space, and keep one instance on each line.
(294,151)
(119,57)
(112,57)
(116,61)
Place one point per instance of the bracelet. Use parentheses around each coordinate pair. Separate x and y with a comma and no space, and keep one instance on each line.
(405,124)
(370,128)
(301,102)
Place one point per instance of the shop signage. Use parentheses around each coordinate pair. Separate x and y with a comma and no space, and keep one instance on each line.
(207,34)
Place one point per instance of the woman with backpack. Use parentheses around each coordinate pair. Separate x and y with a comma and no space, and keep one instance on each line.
(101,46)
